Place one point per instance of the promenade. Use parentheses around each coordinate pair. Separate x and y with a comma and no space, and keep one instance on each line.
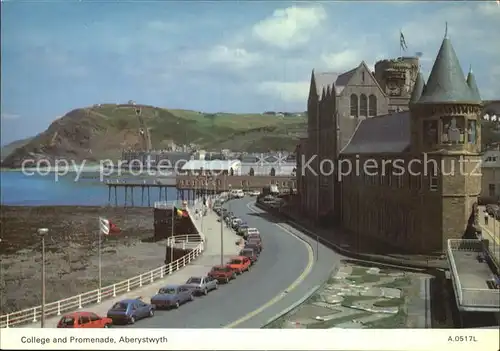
(210,257)
(491,231)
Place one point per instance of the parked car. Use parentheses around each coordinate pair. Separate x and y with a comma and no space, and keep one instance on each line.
(240,264)
(254,193)
(223,274)
(253,231)
(254,247)
(202,285)
(250,253)
(253,236)
(255,241)
(84,320)
(172,296)
(235,222)
(130,310)
(242,229)
(492,209)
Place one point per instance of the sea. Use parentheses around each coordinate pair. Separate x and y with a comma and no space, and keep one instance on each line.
(19,188)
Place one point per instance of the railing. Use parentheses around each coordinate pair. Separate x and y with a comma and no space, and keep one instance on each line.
(486,298)
(184,242)
(96,296)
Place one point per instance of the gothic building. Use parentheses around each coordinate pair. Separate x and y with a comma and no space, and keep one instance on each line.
(412,181)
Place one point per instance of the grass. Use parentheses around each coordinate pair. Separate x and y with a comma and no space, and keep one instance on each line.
(390,302)
(349,300)
(395,321)
(398,283)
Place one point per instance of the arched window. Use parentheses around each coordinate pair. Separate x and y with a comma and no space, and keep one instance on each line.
(252,171)
(273,172)
(354,105)
(231,172)
(363,105)
(372,105)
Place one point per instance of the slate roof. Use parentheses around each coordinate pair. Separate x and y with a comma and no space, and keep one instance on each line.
(446,83)
(381,134)
(471,82)
(418,88)
(324,80)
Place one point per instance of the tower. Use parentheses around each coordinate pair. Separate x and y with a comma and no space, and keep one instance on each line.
(446,138)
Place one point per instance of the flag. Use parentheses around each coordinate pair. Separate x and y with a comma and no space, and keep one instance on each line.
(402,41)
(104,226)
(182,213)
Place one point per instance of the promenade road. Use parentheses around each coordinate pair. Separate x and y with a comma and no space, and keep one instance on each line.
(288,268)
(210,257)
(491,231)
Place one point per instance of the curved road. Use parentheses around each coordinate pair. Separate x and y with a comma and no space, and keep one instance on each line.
(290,265)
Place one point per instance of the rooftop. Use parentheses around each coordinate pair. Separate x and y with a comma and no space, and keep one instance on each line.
(214,165)
(470,276)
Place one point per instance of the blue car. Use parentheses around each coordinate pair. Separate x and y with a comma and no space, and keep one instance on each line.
(172,296)
(130,310)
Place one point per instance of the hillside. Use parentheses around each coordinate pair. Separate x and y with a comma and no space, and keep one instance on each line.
(100,132)
(10,147)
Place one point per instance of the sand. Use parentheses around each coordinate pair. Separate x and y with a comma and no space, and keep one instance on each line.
(71,251)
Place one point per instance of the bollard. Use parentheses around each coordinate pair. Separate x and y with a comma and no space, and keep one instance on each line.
(114,290)
(58,308)
(79,301)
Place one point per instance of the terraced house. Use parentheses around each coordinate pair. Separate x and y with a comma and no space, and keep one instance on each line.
(415,211)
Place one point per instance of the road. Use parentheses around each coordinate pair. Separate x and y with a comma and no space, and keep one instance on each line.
(290,265)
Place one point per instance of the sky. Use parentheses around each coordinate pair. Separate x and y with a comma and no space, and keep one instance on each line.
(221,56)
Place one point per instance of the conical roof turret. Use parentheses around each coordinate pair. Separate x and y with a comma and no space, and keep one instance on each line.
(418,88)
(446,83)
(471,82)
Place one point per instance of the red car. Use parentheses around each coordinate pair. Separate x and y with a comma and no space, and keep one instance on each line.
(223,274)
(240,264)
(84,320)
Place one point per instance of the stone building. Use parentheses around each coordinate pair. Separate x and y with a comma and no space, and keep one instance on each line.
(402,188)
(490,170)
(336,105)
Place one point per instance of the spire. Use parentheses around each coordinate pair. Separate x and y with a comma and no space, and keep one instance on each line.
(418,88)
(446,83)
(471,82)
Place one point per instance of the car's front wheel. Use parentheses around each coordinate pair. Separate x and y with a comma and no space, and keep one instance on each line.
(107,325)
(132,320)
(205,291)
(151,312)
(177,304)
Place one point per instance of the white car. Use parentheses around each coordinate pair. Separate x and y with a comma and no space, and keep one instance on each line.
(237,193)
(252,231)
(254,193)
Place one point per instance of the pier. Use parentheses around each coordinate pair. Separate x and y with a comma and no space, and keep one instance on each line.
(159,188)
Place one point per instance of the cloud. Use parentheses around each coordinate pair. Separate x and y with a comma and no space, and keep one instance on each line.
(342,60)
(233,57)
(290,27)
(9,116)
(285,91)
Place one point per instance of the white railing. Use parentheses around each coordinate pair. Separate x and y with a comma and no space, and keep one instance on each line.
(184,242)
(96,296)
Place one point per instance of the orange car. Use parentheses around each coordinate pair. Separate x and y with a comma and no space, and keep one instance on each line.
(84,320)
(240,264)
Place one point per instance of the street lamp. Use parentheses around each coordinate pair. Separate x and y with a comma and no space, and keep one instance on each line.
(42,232)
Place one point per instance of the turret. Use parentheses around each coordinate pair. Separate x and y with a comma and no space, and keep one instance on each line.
(471,82)
(418,88)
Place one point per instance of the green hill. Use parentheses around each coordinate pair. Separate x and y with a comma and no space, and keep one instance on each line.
(102,131)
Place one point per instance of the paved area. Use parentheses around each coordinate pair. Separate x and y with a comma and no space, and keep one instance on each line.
(362,297)
(472,273)
(202,265)
(491,231)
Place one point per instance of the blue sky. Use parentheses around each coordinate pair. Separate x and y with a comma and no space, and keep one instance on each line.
(215,56)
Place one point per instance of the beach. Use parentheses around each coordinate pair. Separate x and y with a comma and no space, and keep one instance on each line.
(71,248)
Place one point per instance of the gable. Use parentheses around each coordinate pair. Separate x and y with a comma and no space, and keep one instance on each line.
(362,76)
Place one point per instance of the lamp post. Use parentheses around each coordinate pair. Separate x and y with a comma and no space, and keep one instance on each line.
(42,232)
(221,236)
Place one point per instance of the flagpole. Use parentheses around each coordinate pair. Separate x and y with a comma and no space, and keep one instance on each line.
(100,266)
(400,43)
